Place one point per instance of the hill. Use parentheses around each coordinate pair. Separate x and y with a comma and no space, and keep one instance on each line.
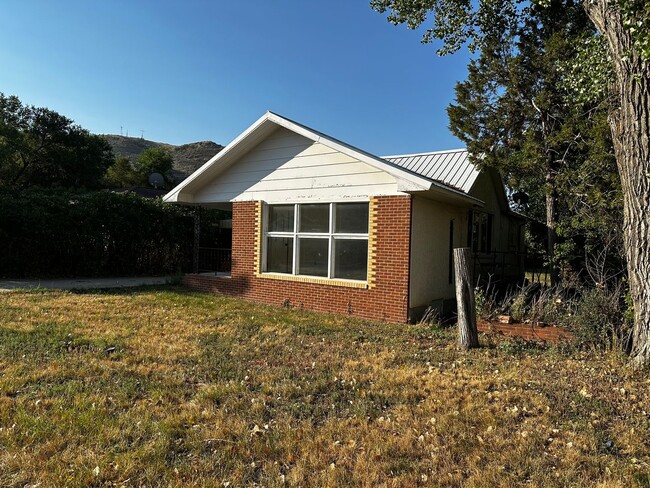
(187,157)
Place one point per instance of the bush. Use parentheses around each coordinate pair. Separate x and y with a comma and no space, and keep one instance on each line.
(599,319)
(596,315)
(48,233)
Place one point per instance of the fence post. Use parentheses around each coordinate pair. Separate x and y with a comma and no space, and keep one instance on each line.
(467,331)
(197,239)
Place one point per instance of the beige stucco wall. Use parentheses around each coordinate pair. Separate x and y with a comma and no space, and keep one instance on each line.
(429,279)
(486,188)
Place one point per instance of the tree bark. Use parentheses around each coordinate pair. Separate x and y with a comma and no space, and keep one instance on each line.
(630,123)
(551,220)
(467,331)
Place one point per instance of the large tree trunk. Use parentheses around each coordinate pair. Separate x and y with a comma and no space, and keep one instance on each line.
(630,123)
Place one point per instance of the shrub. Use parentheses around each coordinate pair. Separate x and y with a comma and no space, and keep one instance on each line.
(65,234)
(599,319)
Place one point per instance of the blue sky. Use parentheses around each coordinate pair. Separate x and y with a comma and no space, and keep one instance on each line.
(193,70)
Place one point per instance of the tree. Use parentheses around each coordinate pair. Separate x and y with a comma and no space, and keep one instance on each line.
(625,28)
(516,113)
(39,147)
(155,160)
(121,174)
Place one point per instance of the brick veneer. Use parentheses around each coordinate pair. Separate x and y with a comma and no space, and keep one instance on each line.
(386,298)
(528,332)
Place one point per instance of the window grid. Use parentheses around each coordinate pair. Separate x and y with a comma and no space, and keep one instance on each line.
(296,235)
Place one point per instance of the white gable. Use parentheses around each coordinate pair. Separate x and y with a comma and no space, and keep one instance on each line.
(288,167)
(279,160)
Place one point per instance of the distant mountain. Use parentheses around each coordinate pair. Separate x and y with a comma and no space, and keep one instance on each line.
(187,157)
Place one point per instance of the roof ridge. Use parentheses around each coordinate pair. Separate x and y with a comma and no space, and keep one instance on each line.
(430,153)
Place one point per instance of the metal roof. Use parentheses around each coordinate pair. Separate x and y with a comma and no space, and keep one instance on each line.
(452,168)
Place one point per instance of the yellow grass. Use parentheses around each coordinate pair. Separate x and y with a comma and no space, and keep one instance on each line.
(171,388)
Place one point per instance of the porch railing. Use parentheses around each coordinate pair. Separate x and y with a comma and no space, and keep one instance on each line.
(214,260)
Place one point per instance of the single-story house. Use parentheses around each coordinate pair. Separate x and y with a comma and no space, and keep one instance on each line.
(322,225)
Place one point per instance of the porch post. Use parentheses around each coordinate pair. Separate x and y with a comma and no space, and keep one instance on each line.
(197,239)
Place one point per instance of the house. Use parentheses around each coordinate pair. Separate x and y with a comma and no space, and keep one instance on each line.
(322,225)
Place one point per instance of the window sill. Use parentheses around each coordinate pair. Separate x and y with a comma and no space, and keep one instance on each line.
(315,280)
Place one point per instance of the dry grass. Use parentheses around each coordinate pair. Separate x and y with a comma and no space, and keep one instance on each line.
(171,388)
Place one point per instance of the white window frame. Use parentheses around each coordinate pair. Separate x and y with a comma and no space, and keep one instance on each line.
(296,235)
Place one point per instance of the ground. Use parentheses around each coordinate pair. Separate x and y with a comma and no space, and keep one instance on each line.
(174,388)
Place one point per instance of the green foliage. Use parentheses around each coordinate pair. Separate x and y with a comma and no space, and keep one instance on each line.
(121,174)
(454,22)
(154,160)
(60,233)
(517,112)
(587,75)
(39,147)
(599,319)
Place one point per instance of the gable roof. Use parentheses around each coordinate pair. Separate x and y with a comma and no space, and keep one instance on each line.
(453,167)
(407,178)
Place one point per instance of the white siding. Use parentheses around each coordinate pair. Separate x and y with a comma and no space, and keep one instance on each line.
(287,167)
(429,278)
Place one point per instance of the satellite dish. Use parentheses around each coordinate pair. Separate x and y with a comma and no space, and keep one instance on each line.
(156,180)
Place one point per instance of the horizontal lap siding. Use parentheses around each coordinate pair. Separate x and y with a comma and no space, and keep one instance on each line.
(288,167)
(386,300)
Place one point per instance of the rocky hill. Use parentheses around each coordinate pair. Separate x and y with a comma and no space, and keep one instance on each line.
(187,157)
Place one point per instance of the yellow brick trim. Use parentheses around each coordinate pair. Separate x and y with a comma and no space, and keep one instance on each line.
(372,242)
(309,279)
(259,207)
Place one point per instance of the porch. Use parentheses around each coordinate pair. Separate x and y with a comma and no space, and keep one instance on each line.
(212,247)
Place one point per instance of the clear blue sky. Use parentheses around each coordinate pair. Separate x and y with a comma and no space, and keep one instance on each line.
(191,70)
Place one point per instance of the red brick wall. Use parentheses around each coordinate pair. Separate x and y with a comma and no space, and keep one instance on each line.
(386,300)
(528,332)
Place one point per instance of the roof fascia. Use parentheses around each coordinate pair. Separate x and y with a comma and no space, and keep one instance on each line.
(409,181)
(175,194)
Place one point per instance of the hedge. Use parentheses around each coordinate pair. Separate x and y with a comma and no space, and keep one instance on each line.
(58,233)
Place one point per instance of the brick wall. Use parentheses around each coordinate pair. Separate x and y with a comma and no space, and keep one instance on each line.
(528,332)
(386,299)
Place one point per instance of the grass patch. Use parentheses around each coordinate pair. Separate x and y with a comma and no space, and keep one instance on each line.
(167,387)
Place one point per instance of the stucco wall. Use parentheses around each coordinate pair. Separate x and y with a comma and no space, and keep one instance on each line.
(430,257)
(503,266)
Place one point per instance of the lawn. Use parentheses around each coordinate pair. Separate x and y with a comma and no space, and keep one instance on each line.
(165,387)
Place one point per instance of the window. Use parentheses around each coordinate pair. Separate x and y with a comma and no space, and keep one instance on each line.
(480,232)
(327,240)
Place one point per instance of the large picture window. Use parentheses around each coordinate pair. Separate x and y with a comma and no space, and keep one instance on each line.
(327,240)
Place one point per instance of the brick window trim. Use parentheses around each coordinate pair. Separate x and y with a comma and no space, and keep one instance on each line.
(372,248)
(314,279)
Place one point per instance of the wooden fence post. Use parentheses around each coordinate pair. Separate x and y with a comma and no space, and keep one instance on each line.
(467,331)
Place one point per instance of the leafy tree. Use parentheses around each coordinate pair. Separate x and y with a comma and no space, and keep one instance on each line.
(155,160)
(515,113)
(625,28)
(121,174)
(39,147)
